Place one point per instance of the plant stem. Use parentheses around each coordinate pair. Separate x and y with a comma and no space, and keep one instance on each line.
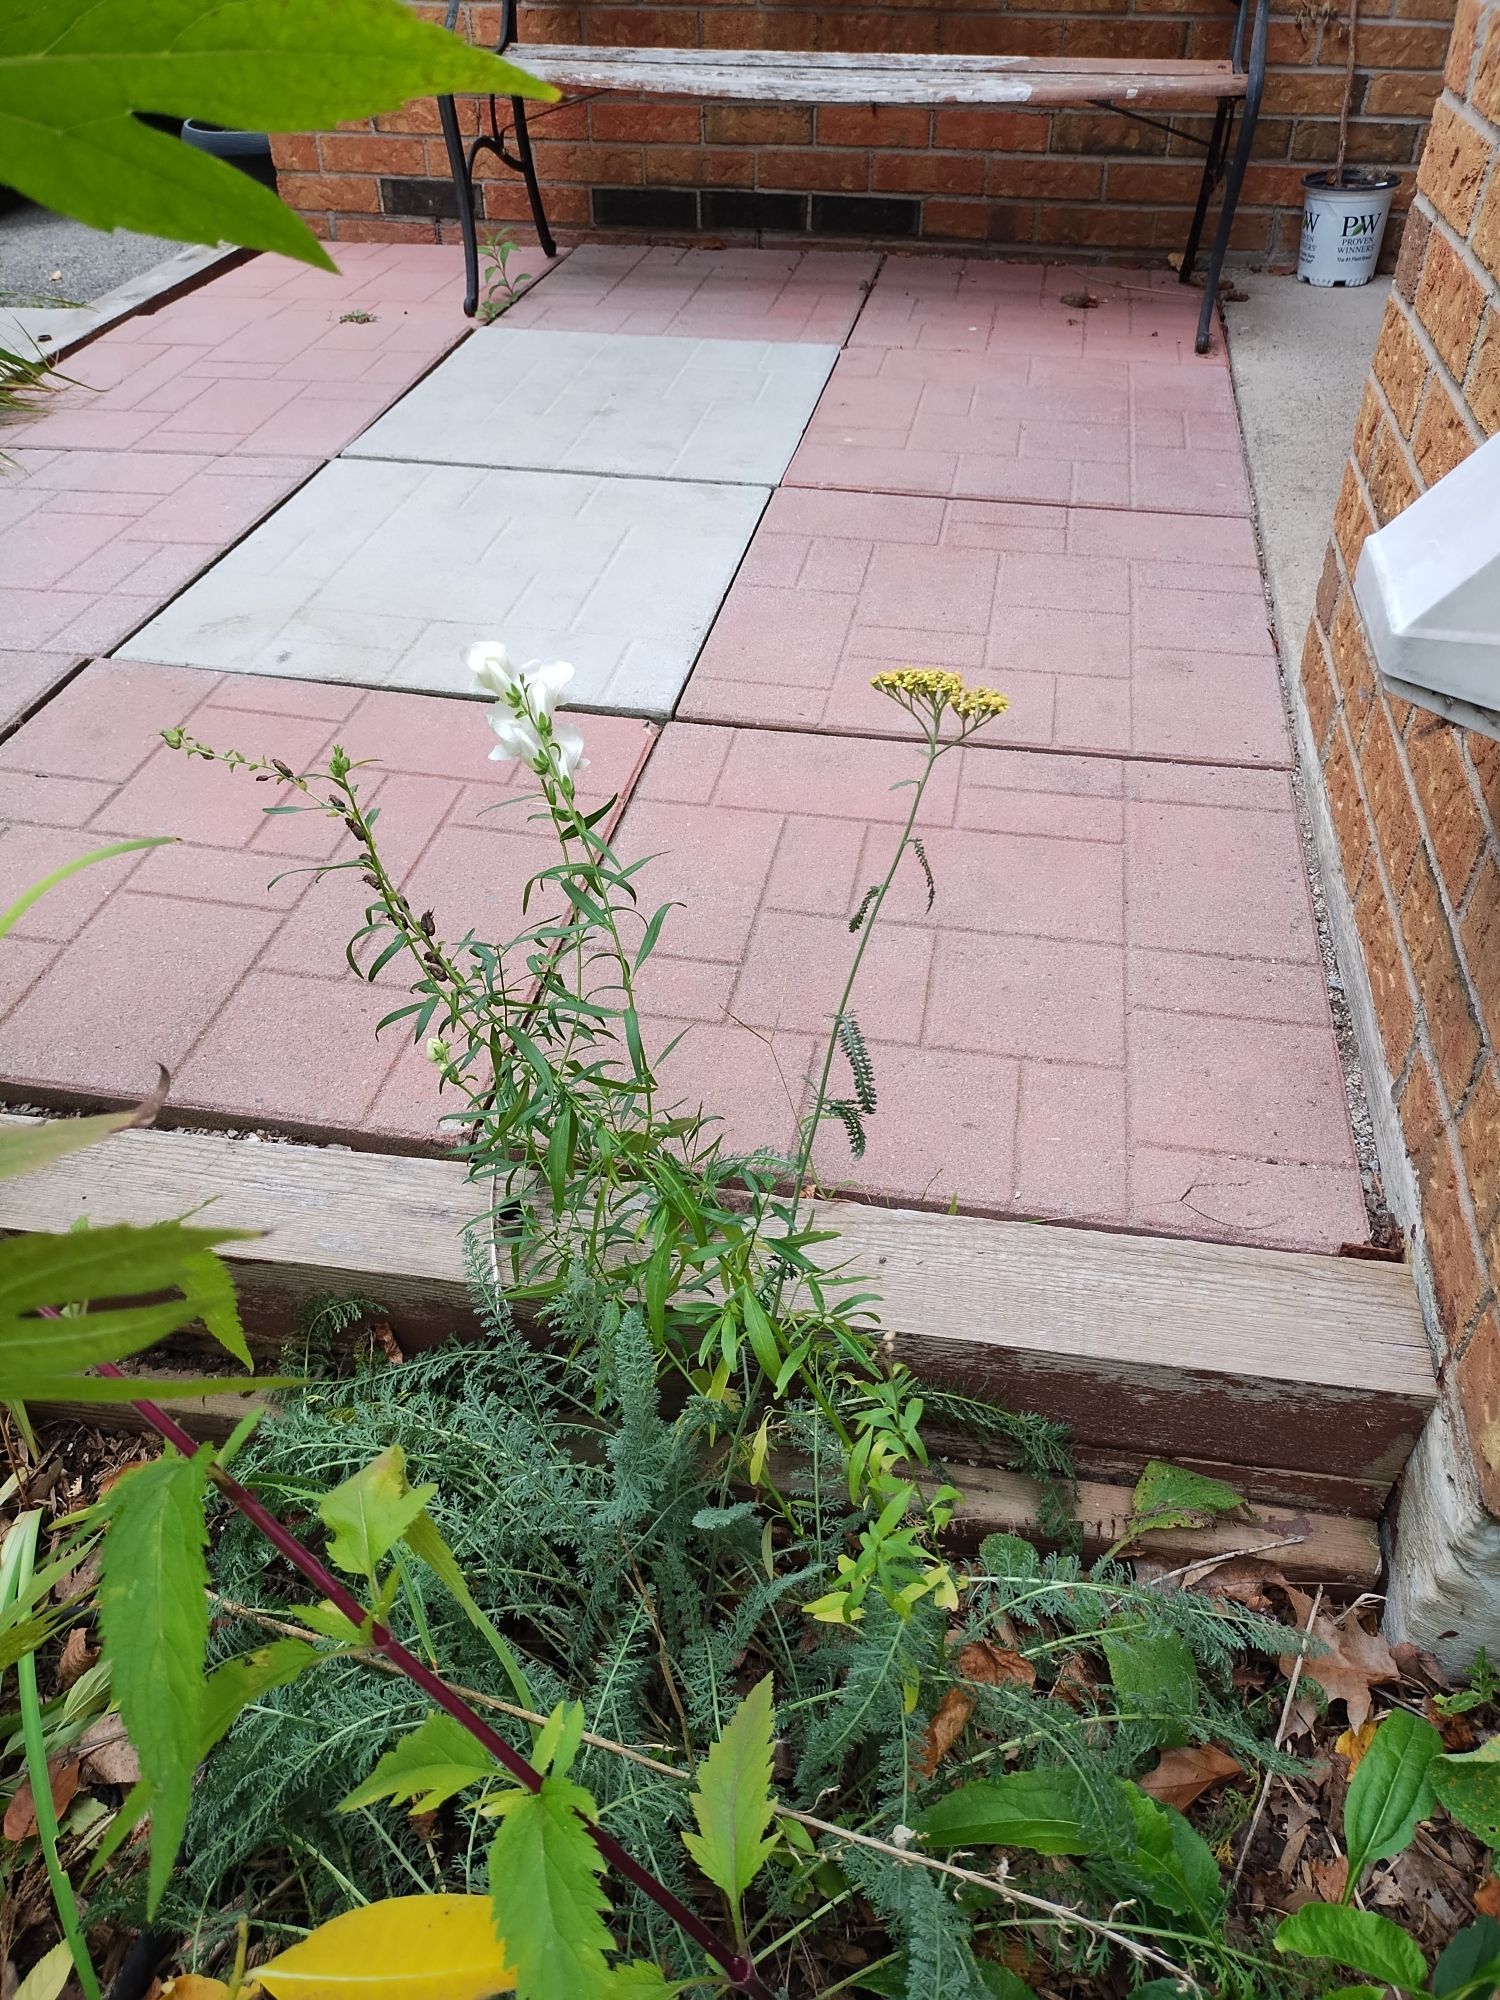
(736,1966)
(1348,97)
(13,1581)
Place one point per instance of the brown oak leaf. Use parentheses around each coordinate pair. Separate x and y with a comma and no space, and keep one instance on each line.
(1487,1897)
(1182,1775)
(20,1814)
(1329,1878)
(996,1666)
(1355,1662)
(947,1723)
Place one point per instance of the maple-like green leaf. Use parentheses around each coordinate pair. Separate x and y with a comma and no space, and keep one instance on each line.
(733,1804)
(153,1611)
(1468,1784)
(435,1762)
(546,1895)
(73,71)
(371,1512)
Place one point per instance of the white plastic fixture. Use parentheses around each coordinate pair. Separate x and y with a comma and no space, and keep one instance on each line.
(1428,589)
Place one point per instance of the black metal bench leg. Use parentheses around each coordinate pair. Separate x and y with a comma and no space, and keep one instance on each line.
(463,188)
(1254,90)
(528,171)
(1212,164)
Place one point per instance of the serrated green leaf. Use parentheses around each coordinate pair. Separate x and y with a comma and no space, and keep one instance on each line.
(1168,1496)
(1391,1790)
(73,71)
(434,1763)
(1469,1787)
(248,1675)
(1040,1810)
(733,1804)
(1003,1984)
(1470,1960)
(546,1895)
(1158,1672)
(1361,1939)
(369,1513)
(153,1612)
(558,1739)
(49,1975)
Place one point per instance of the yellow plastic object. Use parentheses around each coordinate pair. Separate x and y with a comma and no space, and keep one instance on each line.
(409,1948)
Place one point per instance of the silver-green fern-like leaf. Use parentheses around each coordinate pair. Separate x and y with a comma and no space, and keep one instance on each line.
(848,1116)
(862,1069)
(921,853)
(857,920)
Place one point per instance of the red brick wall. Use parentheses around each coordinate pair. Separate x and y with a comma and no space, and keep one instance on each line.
(1415,802)
(1065,180)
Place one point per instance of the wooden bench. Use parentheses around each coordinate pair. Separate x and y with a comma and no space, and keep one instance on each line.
(1232,87)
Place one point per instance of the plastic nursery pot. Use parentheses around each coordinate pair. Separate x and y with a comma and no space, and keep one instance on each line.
(249,151)
(1343,221)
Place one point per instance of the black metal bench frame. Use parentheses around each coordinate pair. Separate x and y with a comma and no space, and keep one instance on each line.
(1226,153)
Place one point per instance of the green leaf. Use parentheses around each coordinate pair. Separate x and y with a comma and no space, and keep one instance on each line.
(29,1148)
(760,1333)
(1004,1984)
(10,918)
(1390,1791)
(1168,1496)
(371,1512)
(1040,1810)
(1469,1786)
(1158,1673)
(437,1761)
(546,1895)
(1172,1866)
(732,1804)
(240,1680)
(73,71)
(1360,1992)
(1470,1961)
(153,1610)
(426,1543)
(1360,1939)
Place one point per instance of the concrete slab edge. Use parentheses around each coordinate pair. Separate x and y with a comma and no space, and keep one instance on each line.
(60,330)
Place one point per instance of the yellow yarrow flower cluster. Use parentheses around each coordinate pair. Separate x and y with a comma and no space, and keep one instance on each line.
(936,690)
(979,704)
(924,683)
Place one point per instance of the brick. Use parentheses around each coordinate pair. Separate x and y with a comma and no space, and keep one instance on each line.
(1484,760)
(1103,132)
(1351,662)
(1012,222)
(1347,808)
(1447,801)
(1385,962)
(1400,365)
(1351,518)
(1455,160)
(1311,90)
(1022,37)
(612,122)
(639,27)
(1480,931)
(927,173)
(1138,181)
(1461,47)
(873,216)
(1486,236)
(295,152)
(1421,1114)
(1486,93)
(1317,687)
(1063,180)
(1085,225)
(645,208)
(854,33)
(1479,1146)
(1400,94)
(371,153)
(875,125)
(758,125)
(1148,41)
(1441,987)
(963,221)
(1372,142)
(1389,478)
(1459,1282)
(1383,46)
(1484,376)
(1477,1378)
(1442,438)
(845,173)
(593,166)
(1367,428)
(708,166)
(992,131)
(1414,240)
(1450,304)
(333,193)
(1328,588)
(1392,812)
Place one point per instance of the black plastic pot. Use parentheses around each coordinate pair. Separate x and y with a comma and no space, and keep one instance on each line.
(249,151)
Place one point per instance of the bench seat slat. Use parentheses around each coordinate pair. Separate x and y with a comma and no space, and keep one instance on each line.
(775,76)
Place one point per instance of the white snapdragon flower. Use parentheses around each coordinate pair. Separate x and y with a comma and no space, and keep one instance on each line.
(525,697)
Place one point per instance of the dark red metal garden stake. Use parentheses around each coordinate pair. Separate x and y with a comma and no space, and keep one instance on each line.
(737,1967)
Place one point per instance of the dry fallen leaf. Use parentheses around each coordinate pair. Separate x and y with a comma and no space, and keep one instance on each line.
(1329,1878)
(1242,1579)
(1356,1661)
(20,1814)
(1353,1744)
(947,1723)
(996,1666)
(76,1658)
(1182,1775)
(106,1753)
(1487,1897)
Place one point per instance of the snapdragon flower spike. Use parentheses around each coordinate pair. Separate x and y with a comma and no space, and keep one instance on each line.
(523,715)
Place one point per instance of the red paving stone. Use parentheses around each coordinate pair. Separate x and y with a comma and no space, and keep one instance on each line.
(1144,634)
(1025,424)
(27,678)
(93,542)
(272,359)
(811,295)
(183,955)
(1114,1013)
